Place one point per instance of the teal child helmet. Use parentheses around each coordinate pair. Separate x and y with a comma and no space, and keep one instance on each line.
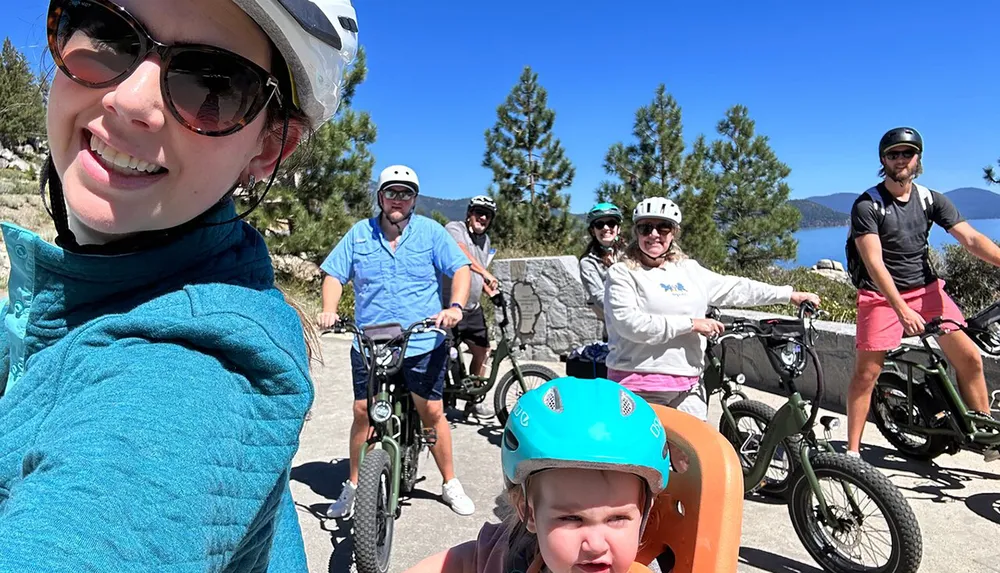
(588,424)
(603,210)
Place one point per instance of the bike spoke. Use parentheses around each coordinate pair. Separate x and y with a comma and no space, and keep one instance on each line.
(860,538)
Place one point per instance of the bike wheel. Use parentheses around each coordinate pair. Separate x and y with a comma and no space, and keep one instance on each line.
(746,440)
(888,407)
(373,522)
(508,390)
(838,548)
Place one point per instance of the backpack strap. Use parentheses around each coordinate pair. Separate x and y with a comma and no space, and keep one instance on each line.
(926,198)
(876,198)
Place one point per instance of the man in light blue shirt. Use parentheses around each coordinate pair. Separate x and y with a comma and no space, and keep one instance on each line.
(394,260)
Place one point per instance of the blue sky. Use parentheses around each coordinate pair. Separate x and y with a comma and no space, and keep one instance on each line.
(822,80)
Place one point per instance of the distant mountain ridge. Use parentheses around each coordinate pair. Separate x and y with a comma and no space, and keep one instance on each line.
(820,211)
(972,202)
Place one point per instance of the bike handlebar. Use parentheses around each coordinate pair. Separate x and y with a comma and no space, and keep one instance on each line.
(402,339)
(933,327)
(744,328)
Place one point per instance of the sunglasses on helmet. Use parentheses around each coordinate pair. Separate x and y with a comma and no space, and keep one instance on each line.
(209,90)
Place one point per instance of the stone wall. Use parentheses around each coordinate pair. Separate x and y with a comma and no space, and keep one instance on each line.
(554,319)
(547,294)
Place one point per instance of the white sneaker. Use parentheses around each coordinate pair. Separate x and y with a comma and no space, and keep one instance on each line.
(454,495)
(483,411)
(991,455)
(343,508)
(852,454)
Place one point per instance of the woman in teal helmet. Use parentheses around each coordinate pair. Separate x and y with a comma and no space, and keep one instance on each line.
(605,248)
(583,461)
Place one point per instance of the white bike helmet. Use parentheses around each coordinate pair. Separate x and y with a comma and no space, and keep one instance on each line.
(657,208)
(318,39)
(399,175)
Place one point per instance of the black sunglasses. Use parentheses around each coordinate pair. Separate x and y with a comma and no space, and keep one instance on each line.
(647,228)
(398,194)
(478,212)
(894,155)
(209,90)
(609,223)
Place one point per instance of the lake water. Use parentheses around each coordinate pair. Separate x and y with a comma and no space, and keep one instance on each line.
(828,242)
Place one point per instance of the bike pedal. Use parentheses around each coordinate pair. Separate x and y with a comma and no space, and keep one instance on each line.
(940,419)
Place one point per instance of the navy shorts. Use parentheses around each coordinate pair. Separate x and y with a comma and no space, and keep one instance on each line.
(423,373)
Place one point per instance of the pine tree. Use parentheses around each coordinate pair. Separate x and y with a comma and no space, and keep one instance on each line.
(530,171)
(439,217)
(752,212)
(700,237)
(990,175)
(22,98)
(650,166)
(326,184)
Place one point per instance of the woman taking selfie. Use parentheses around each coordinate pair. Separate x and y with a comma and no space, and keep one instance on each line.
(156,379)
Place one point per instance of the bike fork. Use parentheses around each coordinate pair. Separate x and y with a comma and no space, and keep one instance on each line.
(824,509)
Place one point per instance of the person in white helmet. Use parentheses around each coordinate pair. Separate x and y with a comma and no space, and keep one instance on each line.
(471,237)
(155,380)
(394,260)
(655,302)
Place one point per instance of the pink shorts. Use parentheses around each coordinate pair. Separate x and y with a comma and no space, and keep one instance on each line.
(878,327)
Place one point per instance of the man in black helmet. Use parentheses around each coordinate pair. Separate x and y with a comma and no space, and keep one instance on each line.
(898,291)
(472,239)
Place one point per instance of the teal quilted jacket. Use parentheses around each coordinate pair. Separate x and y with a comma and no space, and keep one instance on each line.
(153,404)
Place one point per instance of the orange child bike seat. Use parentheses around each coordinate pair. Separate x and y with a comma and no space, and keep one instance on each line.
(700,514)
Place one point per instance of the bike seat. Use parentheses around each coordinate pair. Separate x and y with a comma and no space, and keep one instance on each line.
(699,516)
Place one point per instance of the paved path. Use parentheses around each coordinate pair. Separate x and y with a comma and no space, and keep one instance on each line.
(956,499)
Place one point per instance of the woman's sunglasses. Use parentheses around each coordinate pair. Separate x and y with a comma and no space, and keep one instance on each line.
(608,223)
(645,229)
(209,90)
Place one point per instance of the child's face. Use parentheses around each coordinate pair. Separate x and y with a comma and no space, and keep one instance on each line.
(587,521)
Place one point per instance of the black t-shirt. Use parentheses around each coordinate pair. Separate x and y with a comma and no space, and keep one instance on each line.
(903,232)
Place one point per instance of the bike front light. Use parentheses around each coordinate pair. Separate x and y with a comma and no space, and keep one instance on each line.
(381,411)
(384,356)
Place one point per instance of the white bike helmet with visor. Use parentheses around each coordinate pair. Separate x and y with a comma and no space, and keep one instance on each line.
(318,40)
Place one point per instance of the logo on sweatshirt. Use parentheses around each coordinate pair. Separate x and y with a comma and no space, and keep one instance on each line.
(674,288)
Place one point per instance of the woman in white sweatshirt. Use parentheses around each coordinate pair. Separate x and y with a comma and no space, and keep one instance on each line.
(655,303)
